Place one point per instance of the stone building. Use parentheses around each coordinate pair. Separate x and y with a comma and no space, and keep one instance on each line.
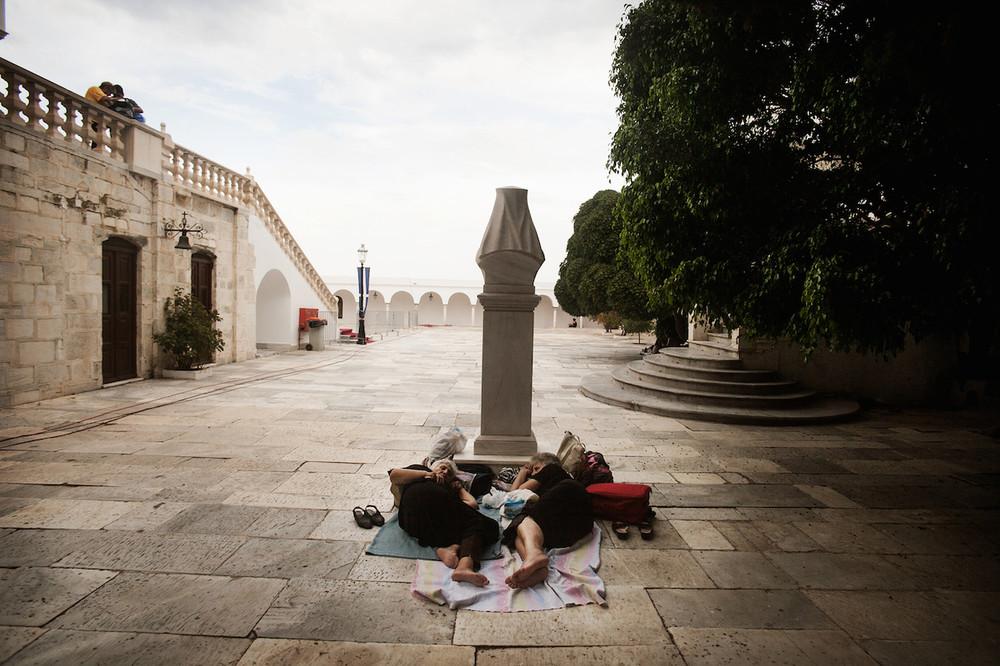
(86,264)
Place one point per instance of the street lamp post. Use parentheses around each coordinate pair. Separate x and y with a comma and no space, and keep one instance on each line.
(363,274)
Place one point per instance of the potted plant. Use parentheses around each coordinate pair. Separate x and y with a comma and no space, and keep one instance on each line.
(190,337)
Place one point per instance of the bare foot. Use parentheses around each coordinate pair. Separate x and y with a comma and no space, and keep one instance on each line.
(448,555)
(467,576)
(532,572)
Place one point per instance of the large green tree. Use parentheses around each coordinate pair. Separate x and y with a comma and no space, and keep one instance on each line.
(593,278)
(808,168)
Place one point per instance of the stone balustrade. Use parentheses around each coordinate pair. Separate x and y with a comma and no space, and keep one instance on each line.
(32,102)
(189,170)
(35,103)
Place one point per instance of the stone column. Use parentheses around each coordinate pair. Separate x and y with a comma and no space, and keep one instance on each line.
(509,256)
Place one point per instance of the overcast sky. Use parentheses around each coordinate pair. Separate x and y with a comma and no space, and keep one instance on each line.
(384,123)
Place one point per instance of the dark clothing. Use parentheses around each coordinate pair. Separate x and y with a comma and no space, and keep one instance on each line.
(563,509)
(436,517)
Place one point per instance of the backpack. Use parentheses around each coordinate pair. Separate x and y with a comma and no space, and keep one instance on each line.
(595,469)
(570,454)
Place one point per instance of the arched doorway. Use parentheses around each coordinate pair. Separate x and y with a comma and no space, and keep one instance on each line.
(430,310)
(401,310)
(275,319)
(349,317)
(119,309)
(543,313)
(459,310)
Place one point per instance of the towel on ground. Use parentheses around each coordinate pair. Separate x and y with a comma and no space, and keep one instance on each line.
(392,541)
(572,581)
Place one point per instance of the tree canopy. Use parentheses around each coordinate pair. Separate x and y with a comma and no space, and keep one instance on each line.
(592,279)
(814,169)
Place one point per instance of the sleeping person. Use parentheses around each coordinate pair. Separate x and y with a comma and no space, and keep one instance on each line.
(436,510)
(561,517)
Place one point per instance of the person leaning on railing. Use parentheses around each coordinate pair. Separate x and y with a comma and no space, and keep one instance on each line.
(102,94)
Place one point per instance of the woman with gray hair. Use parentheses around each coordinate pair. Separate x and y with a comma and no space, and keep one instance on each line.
(439,512)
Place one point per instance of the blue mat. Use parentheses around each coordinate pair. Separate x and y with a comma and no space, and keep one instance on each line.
(392,541)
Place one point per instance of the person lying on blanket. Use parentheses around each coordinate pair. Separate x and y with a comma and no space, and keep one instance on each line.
(436,510)
(561,517)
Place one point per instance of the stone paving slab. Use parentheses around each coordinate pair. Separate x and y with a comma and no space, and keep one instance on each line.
(619,655)
(13,639)
(743,609)
(845,572)
(743,571)
(341,610)
(134,551)
(931,653)
(95,648)
(629,619)
(275,652)
(175,603)
(289,558)
(213,519)
(653,568)
(913,615)
(44,547)
(31,596)
(708,647)
(66,514)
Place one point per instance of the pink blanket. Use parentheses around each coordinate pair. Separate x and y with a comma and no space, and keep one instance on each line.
(572,581)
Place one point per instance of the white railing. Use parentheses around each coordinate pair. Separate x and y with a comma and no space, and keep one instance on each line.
(34,103)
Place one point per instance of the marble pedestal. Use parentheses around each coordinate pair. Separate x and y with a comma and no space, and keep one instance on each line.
(509,256)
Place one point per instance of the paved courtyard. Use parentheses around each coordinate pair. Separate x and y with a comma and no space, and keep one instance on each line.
(175,522)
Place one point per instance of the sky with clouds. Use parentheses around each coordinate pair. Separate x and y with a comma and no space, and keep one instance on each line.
(387,123)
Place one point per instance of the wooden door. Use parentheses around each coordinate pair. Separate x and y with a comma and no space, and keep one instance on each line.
(202,267)
(119,310)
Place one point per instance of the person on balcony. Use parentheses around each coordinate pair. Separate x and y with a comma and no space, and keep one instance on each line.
(102,94)
(126,106)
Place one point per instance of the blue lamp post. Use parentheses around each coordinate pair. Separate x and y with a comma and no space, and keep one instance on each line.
(363,282)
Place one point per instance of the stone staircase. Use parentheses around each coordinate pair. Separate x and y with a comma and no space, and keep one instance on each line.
(707,382)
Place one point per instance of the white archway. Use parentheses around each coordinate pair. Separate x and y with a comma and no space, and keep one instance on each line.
(350,318)
(401,310)
(543,313)
(430,309)
(375,315)
(276,323)
(459,310)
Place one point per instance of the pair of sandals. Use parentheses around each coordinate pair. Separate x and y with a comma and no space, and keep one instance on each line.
(368,516)
(621,530)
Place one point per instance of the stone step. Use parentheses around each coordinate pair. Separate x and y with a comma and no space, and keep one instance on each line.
(721,349)
(679,369)
(689,356)
(670,379)
(783,400)
(601,387)
(725,338)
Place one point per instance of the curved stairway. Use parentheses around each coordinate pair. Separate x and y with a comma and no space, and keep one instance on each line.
(683,383)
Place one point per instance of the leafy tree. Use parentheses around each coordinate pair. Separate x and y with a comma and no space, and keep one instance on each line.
(190,336)
(594,278)
(811,169)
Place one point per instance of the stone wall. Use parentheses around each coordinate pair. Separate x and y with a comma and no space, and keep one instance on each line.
(922,373)
(58,202)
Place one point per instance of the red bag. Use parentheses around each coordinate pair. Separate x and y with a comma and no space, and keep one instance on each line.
(624,502)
